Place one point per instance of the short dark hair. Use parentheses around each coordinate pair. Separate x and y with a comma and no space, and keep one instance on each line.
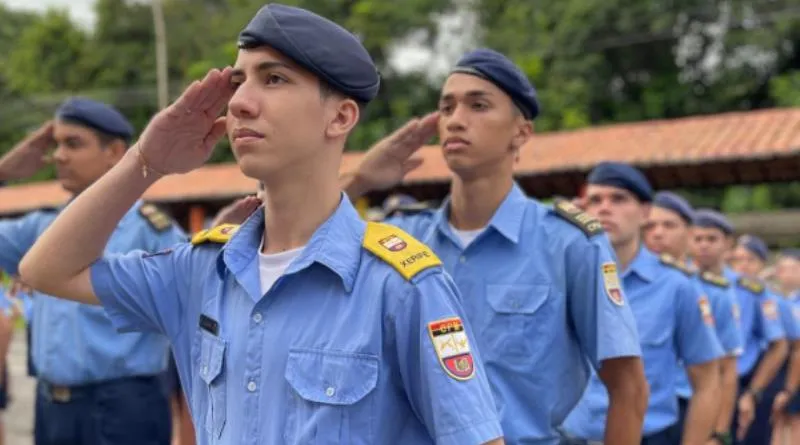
(327,90)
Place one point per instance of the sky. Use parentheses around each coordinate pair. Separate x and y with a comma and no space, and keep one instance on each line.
(80,10)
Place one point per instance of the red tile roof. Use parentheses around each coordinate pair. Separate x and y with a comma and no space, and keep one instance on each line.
(730,138)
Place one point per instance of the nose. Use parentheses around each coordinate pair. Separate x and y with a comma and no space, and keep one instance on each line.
(242,104)
(455,121)
(60,154)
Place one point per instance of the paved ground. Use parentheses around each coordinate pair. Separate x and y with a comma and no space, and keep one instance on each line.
(19,416)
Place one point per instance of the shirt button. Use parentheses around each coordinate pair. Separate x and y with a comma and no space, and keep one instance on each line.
(257,317)
(205,370)
(515,304)
(462,260)
(330,391)
(252,386)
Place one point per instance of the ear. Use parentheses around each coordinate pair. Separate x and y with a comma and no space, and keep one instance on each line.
(522,133)
(115,150)
(344,117)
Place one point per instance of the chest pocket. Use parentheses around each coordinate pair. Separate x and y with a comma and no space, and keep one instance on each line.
(210,394)
(518,314)
(329,399)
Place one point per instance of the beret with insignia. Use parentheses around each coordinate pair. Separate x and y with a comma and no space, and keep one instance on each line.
(496,68)
(95,115)
(713,220)
(676,203)
(322,47)
(572,213)
(623,176)
(157,219)
(755,245)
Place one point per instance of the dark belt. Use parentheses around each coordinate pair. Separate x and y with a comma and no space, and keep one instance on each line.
(66,393)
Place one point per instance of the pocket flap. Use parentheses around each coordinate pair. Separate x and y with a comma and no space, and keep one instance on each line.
(212,352)
(331,377)
(517,298)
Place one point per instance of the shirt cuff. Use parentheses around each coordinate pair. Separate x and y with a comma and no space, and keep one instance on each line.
(476,434)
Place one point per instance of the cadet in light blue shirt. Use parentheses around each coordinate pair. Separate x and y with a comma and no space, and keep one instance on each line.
(748,259)
(539,283)
(668,232)
(93,383)
(675,323)
(787,402)
(307,325)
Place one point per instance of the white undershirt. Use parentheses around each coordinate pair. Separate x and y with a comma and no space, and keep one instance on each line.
(467,236)
(272,266)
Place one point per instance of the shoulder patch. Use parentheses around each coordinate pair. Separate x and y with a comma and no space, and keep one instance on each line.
(716,280)
(219,235)
(671,261)
(157,219)
(403,252)
(572,213)
(753,286)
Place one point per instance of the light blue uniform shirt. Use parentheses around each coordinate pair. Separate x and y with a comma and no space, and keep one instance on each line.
(533,289)
(673,325)
(338,351)
(75,344)
(725,310)
(760,322)
(790,317)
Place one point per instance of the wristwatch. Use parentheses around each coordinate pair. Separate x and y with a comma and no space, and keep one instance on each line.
(723,438)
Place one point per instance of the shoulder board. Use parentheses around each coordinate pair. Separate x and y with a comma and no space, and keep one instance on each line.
(403,252)
(753,286)
(572,213)
(157,219)
(717,280)
(219,235)
(671,261)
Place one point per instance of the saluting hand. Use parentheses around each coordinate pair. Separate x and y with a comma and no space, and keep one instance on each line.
(29,155)
(181,137)
(387,162)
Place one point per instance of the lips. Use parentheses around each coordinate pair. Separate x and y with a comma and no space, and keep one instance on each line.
(245,133)
(452,143)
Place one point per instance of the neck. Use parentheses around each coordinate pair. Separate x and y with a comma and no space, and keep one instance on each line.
(626,252)
(296,205)
(473,202)
(715,268)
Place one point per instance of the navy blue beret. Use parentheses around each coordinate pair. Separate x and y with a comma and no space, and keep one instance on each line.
(96,115)
(317,44)
(499,70)
(617,174)
(755,245)
(791,253)
(676,203)
(712,219)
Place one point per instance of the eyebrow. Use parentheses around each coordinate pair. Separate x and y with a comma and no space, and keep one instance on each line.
(263,66)
(472,94)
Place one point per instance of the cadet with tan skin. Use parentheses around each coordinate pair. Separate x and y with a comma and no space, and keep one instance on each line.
(668,231)
(711,241)
(786,410)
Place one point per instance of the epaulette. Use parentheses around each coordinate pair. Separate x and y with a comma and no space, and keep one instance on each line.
(219,234)
(399,249)
(750,284)
(572,213)
(716,280)
(671,261)
(157,219)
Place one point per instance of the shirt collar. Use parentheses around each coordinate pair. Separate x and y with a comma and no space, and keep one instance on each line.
(507,219)
(643,265)
(336,244)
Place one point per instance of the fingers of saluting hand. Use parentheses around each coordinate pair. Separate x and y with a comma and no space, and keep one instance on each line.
(208,96)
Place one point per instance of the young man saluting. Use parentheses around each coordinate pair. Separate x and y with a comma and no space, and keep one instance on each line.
(262,326)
